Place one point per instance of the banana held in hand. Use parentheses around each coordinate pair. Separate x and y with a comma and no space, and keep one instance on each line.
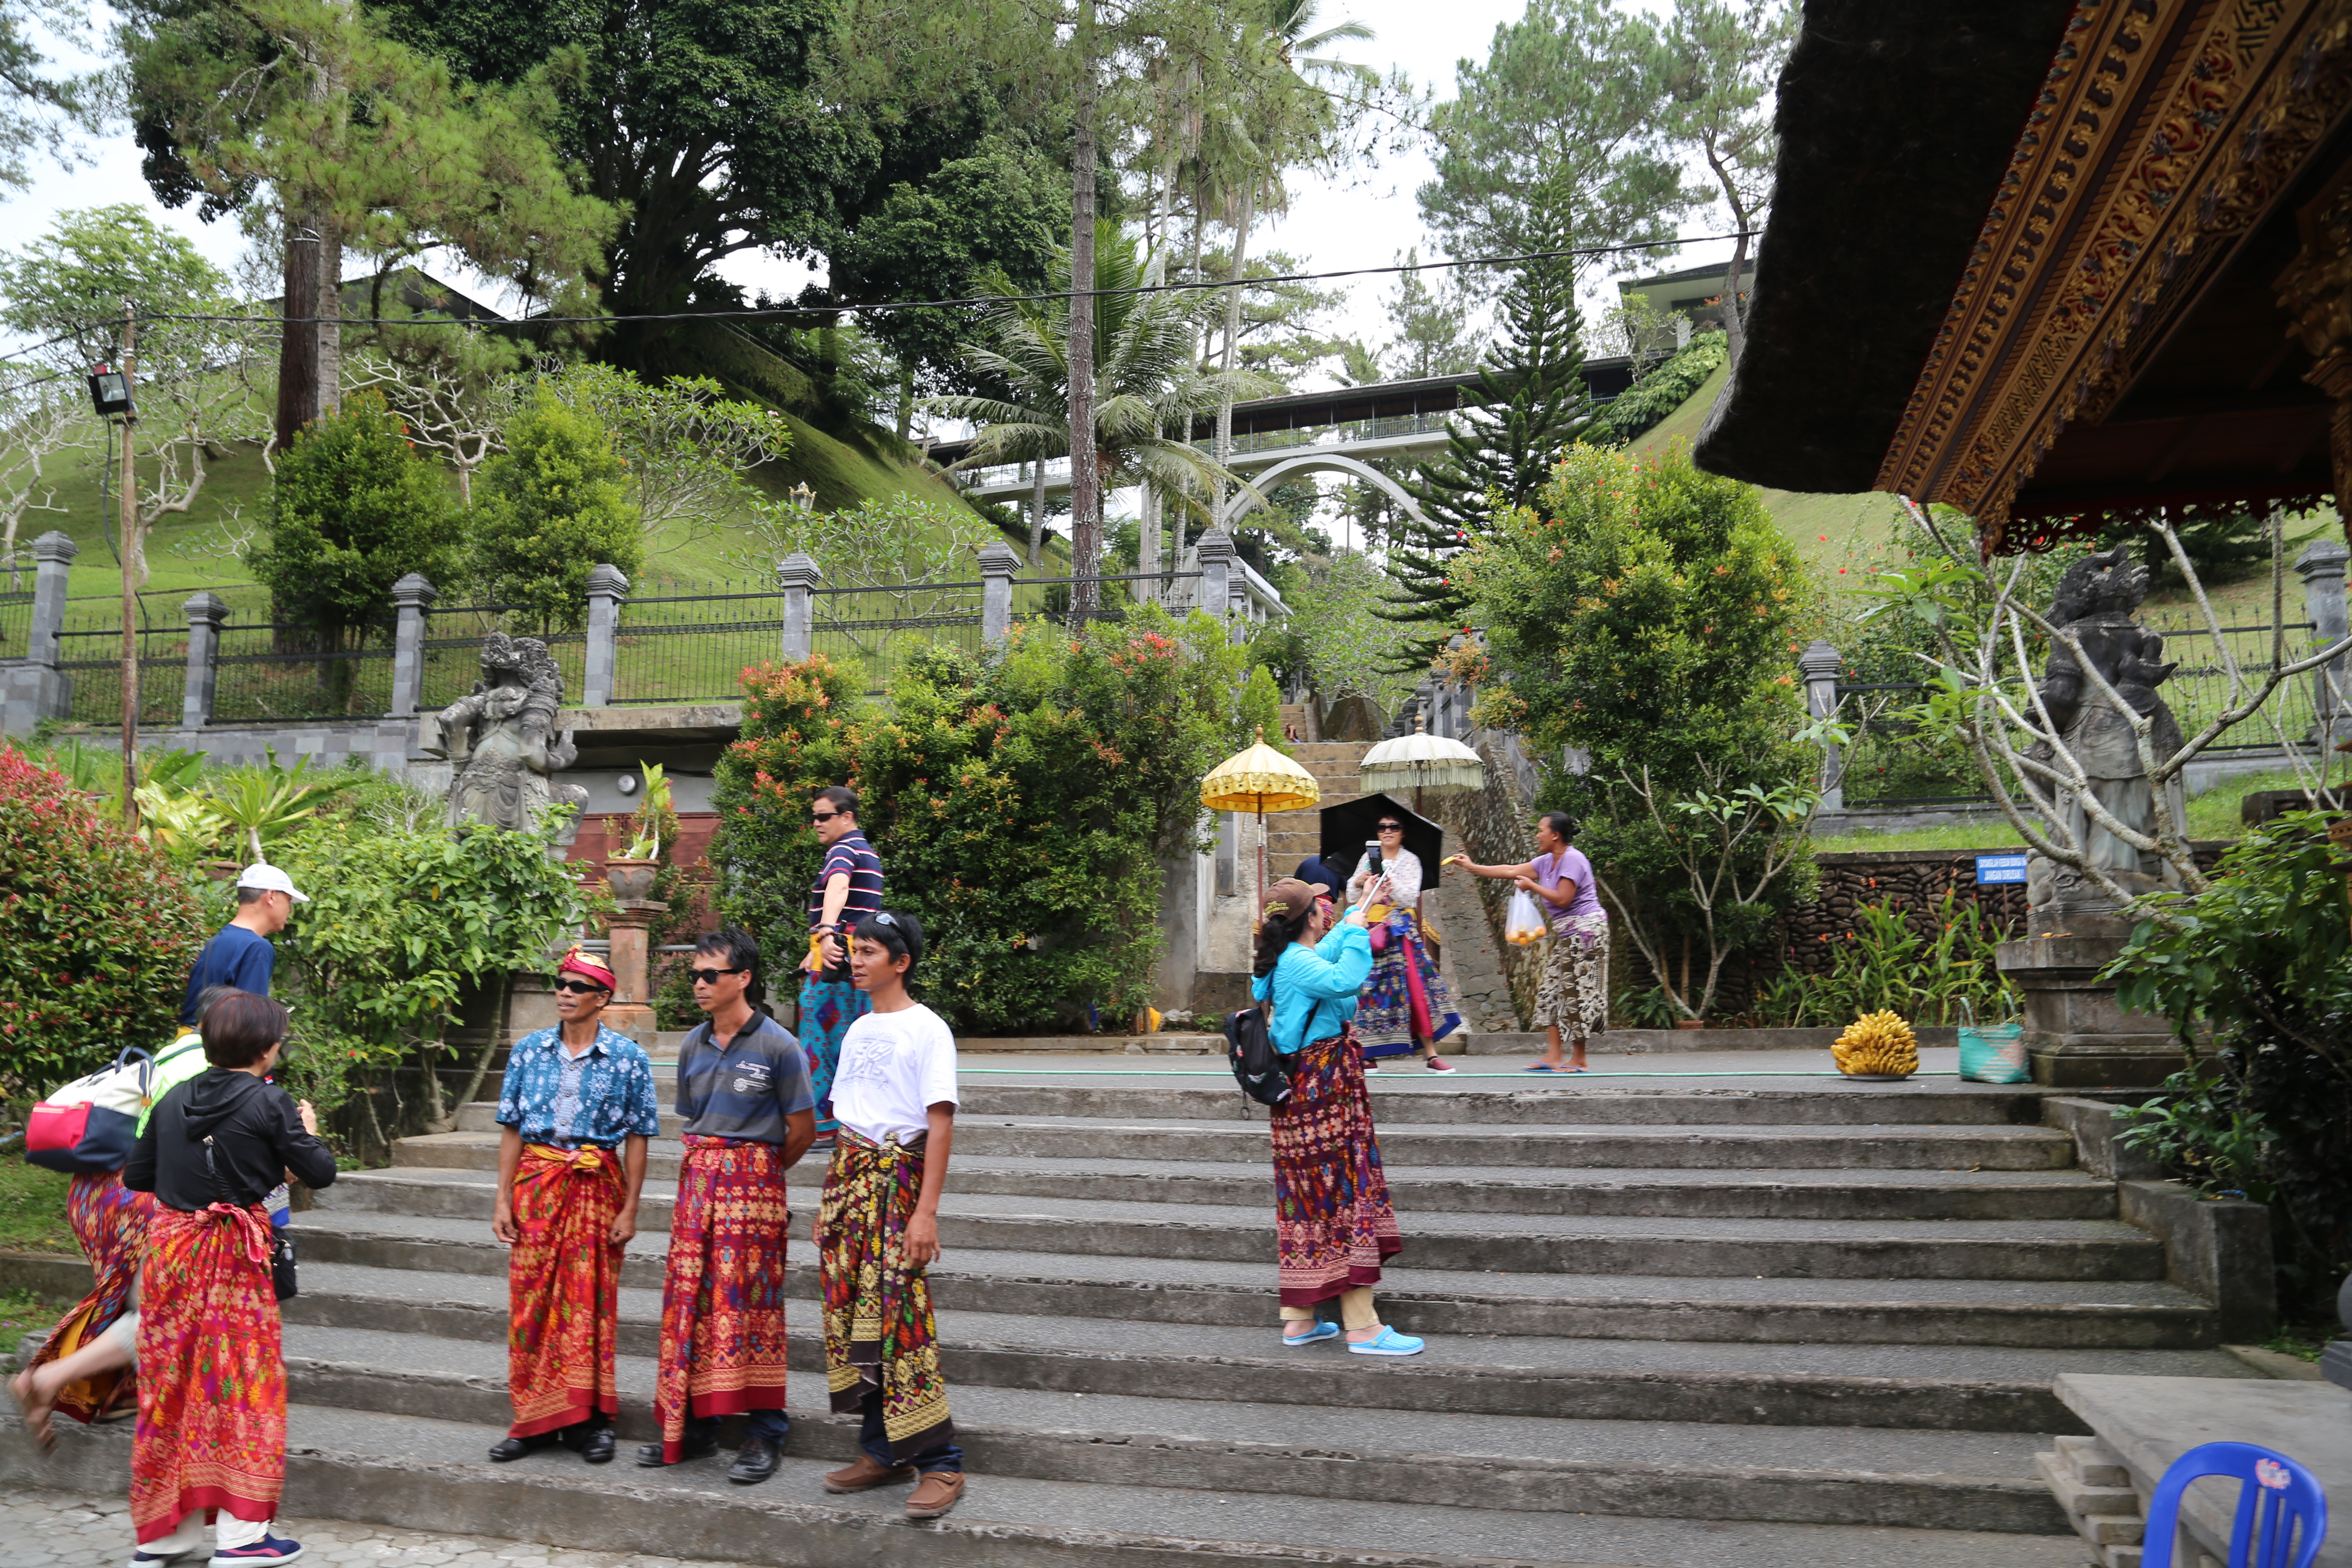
(1877,1043)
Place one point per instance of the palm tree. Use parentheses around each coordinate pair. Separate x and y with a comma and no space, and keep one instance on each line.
(1146,380)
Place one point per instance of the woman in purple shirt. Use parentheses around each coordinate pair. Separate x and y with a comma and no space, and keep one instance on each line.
(1574,994)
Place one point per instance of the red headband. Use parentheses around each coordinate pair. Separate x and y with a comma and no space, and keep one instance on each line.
(577,962)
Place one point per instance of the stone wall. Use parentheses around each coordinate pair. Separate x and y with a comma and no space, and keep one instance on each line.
(1491,825)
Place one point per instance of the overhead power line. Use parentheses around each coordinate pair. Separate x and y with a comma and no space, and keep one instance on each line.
(882,307)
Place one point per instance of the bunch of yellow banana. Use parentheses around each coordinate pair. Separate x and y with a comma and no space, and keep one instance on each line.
(1877,1043)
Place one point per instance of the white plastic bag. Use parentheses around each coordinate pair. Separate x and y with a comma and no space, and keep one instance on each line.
(1523,926)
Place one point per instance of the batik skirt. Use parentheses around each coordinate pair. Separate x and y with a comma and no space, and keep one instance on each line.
(722,1329)
(827,1009)
(1573,994)
(1332,1223)
(110,1220)
(212,1376)
(877,1307)
(563,1289)
(1404,999)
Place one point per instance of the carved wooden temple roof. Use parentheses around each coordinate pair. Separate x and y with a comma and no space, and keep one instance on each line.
(2150,306)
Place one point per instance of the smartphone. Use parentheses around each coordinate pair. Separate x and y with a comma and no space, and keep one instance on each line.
(1372,855)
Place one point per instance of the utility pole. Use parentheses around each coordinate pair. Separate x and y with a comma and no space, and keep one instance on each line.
(128,523)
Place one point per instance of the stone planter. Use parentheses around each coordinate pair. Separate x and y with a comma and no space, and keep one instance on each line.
(631,880)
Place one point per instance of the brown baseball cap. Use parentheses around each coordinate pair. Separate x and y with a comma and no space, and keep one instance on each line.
(1293,896)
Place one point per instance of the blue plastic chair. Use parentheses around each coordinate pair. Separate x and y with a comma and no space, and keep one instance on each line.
(2278,1496)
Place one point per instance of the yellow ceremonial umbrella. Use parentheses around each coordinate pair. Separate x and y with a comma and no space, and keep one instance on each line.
(1259,780)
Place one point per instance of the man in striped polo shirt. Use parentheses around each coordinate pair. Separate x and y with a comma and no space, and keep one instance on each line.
(849,888)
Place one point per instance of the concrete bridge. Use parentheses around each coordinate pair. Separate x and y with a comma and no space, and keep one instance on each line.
(1343,430)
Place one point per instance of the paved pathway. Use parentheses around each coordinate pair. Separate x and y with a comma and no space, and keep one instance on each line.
(54,1529)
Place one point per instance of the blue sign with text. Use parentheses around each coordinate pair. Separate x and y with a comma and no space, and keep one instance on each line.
(2000,869)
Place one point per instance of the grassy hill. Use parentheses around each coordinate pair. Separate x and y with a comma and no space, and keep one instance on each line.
(199,548)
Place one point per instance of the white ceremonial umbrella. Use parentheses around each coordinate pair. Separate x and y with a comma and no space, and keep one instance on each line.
(1423,764)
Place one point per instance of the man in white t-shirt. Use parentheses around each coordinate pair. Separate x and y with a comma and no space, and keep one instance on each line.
(894,1094)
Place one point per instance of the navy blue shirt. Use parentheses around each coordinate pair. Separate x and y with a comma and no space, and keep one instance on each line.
(746,1091)
(236,958)
(848,853)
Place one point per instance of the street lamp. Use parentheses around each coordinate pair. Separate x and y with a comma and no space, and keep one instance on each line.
(802,496)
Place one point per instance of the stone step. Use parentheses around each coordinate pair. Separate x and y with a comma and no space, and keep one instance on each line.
(1748,1195)
(408,1259)
(1943,1250)
(1194,1093)
(416,1471)
(1943,1481)
(1945,1387)
(2140,1315)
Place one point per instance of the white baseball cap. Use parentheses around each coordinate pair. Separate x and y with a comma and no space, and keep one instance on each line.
(262,877)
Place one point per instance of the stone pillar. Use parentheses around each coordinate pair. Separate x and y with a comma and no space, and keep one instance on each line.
(411,600)
(997,564)
(1216,555)
(607,587)
(799,575)
(2321,568)
(630,1010)
(33,688)
(1819,664)
(206,612)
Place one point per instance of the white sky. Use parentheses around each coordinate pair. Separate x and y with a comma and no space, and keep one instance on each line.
(1366,220)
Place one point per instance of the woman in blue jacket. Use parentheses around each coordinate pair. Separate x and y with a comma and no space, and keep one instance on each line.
(1333,1225)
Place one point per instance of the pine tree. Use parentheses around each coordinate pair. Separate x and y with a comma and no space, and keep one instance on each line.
(1529,404)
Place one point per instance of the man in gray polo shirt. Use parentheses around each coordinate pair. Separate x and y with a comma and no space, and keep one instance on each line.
(743,1091)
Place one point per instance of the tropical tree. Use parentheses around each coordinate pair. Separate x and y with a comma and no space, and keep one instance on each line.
(1527,405)
(357,140)
(688,449)
(1558,134)
(1722,59)
(352,511)
(554,506)
(40,108)
(1142,380)
(42,418)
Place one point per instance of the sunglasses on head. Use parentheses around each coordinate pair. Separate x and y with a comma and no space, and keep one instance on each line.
(711,976)
(579,987)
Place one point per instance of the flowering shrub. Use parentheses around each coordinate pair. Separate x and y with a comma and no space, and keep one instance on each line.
(1021,803)
(98,932)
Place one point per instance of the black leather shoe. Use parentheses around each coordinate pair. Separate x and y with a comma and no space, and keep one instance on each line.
(597,1446)
(697,1446)
(516,1447)
(755,1462)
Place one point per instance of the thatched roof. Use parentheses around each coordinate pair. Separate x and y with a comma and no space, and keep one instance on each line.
(1897,121)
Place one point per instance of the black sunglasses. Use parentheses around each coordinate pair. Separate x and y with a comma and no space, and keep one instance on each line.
(711,976)
(579,987)
(1391,827)
(821,817)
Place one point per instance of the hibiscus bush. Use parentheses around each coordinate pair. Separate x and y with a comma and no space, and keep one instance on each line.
(1022,801)
(98,932)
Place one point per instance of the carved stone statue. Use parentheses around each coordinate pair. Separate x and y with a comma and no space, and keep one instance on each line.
(2096,601)
(500,740)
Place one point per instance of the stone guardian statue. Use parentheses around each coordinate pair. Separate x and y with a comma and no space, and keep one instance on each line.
(500,740)
(2096,601)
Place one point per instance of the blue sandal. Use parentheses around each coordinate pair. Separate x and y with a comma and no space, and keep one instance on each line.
(1316,1335)
(1389,1343)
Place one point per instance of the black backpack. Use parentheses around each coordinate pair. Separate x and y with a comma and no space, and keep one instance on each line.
(1263,1072)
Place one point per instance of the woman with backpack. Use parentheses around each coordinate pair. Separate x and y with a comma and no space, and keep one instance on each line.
(1333,1225)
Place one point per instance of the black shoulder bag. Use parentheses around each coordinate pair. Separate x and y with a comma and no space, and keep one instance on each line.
(281,1245)
(1263,1071)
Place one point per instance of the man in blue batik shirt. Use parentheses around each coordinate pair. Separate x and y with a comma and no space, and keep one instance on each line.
(567,1205)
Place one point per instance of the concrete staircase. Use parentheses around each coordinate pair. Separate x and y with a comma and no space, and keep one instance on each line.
(1292,836)
(1733,1325)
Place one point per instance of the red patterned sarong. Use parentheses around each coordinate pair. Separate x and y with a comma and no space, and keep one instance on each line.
(877,1310)
(563,1289)
(722,1331)
(110,1220)
(212,1378)
(1332,1223)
